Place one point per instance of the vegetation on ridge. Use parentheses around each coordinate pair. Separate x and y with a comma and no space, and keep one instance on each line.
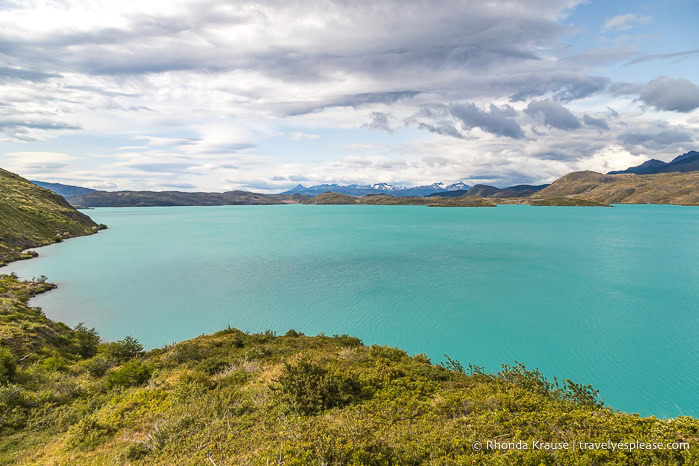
(238,398)
(31,216)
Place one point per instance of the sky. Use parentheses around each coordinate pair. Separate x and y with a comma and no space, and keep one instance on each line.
(265,95)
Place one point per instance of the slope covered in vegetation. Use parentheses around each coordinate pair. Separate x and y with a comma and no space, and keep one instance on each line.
(238,398)
(31,216)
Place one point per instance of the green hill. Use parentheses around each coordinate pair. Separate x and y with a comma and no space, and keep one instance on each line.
(31,216)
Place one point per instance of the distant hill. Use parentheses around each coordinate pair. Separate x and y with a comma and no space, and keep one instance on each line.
(378,188)
(387,199)
(32,216)
(64,189)
(661,188)
(177,198)
(482,190)
(566,202)
(688,162)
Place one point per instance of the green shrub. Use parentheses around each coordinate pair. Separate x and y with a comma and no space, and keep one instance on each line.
(130,374)
(11,395)
(213,366)
(533,381)
(536,382)
(123,350)
(453,365)
(581,394)
(8,366)
(14,401)
(87,339)
(309,388)
(238,341)
(293,333)
(136,451)
(54,363)
(86,434)
(347,340)
(97,367)
(422,358)
(185,352)
(387,352)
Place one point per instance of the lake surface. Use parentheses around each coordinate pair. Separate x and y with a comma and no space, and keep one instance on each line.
(607,296)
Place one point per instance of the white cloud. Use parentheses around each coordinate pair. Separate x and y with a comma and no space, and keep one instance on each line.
(208,94)
(298,136)
(625,22)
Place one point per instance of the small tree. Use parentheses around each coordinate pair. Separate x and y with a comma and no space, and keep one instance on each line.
(123,350)
(87,338)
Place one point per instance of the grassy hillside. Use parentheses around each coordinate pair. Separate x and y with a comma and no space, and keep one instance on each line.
(664,188)
(31,216)
(237,398)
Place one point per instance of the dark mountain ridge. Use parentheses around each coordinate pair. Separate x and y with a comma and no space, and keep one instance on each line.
(178,198)
(483,190)
(687,162)
(64,189)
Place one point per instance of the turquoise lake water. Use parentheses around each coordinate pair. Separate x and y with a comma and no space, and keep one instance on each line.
(607,296)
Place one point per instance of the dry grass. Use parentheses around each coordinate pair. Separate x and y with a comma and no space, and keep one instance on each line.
(665,188)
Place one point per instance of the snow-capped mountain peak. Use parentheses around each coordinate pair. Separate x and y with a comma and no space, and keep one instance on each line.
(457,186)
(386,187)
(377,188)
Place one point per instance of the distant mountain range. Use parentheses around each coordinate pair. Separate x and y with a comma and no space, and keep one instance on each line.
(483,190)
(671,188)
(177,198)
(64,190)
(688,162)
(378,188)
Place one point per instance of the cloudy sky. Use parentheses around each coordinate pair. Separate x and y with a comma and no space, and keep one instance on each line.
(207,95)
